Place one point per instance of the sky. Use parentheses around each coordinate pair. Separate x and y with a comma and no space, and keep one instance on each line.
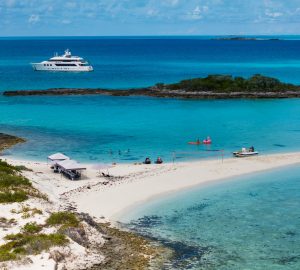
(148,17)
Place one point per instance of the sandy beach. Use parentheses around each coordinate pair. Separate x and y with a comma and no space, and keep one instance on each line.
(109,198)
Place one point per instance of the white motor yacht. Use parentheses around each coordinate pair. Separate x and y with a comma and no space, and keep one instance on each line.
(65,62)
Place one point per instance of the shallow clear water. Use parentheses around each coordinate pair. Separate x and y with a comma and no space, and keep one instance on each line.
(95,128)
(251,222)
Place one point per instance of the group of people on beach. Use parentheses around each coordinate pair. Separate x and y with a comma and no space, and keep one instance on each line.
(158,161)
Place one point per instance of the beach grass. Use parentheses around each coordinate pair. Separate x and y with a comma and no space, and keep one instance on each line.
(13,186)
(32,227)
(29,243)
(64,219)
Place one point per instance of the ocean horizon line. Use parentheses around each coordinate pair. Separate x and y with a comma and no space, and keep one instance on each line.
(286,36)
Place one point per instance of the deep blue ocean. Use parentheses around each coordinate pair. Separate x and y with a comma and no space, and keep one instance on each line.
(136,62)
(251,224)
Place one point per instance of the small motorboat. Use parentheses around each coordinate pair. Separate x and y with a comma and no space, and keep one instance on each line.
(245,152)
(207,140)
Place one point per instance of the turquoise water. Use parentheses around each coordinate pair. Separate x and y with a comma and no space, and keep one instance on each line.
(126,129)
(251,222)
(94,129)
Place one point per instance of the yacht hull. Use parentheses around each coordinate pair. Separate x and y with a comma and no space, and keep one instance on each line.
(42,67)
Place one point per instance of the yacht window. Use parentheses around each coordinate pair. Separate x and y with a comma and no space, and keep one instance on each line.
(65,65)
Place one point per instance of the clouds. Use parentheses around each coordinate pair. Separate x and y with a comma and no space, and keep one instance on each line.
(170,16)
(198,13)
(33,19)
(273,14)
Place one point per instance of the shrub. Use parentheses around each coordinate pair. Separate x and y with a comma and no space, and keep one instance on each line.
(10,181)
(32,228)
(14,187)
(22,168)
(38,243)
(6,253)
(159,86)
(29,244)
(5,167)
(66,219)
(9,197)
(226,83)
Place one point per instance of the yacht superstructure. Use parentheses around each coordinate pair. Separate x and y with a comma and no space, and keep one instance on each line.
(65,62)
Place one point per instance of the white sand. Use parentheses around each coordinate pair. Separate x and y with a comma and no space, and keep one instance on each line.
(75,255)
(142,182)
(113,197)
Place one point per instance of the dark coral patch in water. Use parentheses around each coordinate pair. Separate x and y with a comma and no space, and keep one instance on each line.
(147,222)
(279,145)
(198,207)
(288,260)
(290,233)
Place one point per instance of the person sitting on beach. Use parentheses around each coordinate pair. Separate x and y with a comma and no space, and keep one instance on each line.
(147,161)
(159,161)
(105,175)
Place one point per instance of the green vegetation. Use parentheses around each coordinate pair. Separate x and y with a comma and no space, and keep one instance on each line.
(227,83)
(159,86)
(16,196)
(20,168)
(15,187)
(27,212)
(7,168)
(32,228)
(29,243)
(65,219)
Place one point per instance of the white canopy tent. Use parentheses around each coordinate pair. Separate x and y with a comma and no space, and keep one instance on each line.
(70,164)
(57,157)
(70,168)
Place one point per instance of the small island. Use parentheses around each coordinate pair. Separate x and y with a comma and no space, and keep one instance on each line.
(241,38)
(210,87)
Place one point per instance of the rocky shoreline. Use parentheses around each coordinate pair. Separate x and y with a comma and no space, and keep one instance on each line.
(90,243)
(154,92)
(210,87)
(7,141)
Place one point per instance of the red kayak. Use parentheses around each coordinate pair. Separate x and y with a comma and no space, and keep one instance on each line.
(194,143)
(207,141)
